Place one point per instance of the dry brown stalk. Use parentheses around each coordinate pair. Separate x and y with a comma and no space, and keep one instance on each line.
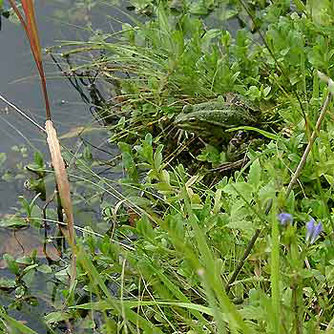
(63,188)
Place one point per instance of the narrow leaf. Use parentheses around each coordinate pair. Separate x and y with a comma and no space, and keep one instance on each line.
(63,185)
(29,24)
(260,131)
(104,305)
(16,325)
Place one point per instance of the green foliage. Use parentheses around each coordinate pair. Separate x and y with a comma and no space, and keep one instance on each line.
(211,154)
(172,251)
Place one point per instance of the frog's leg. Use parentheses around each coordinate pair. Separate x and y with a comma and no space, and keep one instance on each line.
(237,145)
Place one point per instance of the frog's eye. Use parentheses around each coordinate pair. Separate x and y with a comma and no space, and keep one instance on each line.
(191,119)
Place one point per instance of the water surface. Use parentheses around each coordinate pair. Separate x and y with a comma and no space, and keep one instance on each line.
(20,84)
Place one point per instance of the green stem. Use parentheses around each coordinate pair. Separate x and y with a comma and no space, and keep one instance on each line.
(275,274)
(296,309)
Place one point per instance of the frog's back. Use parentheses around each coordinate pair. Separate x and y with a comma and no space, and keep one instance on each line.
(209,105)
(226,117)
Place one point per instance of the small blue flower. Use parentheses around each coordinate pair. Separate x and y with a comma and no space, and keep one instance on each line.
(285,218)
(312,231)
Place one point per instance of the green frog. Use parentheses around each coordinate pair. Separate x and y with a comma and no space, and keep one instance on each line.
(212,118)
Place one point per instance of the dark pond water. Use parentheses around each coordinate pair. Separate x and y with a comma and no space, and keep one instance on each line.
(58,20)
(19,83)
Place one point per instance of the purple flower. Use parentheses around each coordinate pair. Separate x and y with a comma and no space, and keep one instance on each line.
(312,231)
(285,218)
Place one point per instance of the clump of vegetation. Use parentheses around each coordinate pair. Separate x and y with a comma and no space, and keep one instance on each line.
(176,249)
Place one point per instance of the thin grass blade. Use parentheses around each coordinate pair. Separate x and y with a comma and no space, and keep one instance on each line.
(28,22)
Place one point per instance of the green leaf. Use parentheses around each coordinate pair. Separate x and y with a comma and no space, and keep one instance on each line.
(144,227)
(210,154)
(44,268)
(300,6)
(6,283)
(242,225)
(103,305)
(55,317)
(198,8)
(254,175)
(16,325)
(251,128)
(38,157)
(208,37)
(266,91)
(11,263)
(26,260)
(14,221)
(3,156)
(158,157)
(242,188)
